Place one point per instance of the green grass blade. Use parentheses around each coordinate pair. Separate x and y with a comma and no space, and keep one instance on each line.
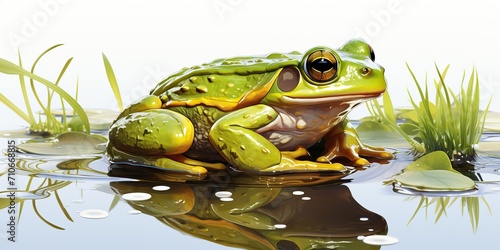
(112,81)
(114,202)
(416,210)
(63,70)
(7,67)
(388,108)
(62,206)
(25,93)
(14,108)
(33,202)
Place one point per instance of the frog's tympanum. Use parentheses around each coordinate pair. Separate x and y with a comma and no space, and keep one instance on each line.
(291,218)
(259,114)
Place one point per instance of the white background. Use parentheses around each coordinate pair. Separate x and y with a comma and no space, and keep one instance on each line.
(148,40)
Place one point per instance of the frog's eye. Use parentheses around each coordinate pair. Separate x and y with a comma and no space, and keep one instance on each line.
(288,79)
(321,66)
(372,54)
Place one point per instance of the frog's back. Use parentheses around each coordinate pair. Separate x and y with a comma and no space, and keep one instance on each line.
(227,84)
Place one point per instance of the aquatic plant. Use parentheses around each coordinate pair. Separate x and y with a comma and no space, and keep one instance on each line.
(451,123)
(470,203)
(51,125)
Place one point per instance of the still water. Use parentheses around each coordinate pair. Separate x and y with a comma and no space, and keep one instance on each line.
(65,202)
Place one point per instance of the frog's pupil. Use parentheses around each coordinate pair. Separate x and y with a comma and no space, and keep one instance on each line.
(322,65)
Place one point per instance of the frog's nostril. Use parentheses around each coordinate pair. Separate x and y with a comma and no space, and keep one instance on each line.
(365,71)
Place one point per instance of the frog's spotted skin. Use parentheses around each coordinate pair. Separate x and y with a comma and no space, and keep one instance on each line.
(256,113)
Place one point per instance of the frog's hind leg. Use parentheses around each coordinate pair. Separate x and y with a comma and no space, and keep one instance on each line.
(155,137)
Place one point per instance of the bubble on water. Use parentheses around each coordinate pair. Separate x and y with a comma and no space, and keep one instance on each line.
(161,188)
(134,212)
(94,214)
(136,196)
(280,226)
(361,237)
(306,198)
(226,199)
(77,201)
(223,194)
(298,192)
(380,240)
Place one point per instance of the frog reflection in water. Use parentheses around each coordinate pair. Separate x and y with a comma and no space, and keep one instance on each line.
(259,114)
(320,217)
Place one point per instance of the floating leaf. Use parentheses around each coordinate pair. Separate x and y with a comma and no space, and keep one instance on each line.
(492,122)
(70,143)
(490,148)
(437,160)
(433,172)
(368,126)
(435,180)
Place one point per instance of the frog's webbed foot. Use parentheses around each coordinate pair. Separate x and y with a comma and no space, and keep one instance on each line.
(346,143)
(288,164)
(178,163)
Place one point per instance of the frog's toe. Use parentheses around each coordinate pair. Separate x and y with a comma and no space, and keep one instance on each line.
(361,162)
(376,153)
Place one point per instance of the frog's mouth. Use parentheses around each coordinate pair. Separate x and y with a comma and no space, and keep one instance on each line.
(328,99)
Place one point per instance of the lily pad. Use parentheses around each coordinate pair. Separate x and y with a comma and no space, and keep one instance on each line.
(489,148)
(435,180)
(368,126)
(433,172)
(69,143)
(99,119)
(492,122)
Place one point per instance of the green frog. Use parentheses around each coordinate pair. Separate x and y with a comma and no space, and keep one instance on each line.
(258,113)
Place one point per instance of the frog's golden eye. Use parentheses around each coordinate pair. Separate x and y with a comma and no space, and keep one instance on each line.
(372,53)
(321,66)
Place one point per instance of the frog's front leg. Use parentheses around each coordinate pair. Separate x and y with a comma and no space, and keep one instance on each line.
(236,139)
(343,141)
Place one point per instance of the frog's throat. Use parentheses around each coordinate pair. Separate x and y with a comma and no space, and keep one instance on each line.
(328,99)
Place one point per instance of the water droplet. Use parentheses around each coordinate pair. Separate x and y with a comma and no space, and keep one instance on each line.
(226,199)
(77,201)
(161,188)
(94,214)
(280,226)
(306,198)
(134,212)
(136,196)
(298,193)
(223,194)
(363,219)
(380,240)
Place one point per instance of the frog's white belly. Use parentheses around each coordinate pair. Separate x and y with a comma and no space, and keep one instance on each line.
(302,126)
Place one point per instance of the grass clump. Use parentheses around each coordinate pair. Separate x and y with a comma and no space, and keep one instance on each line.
(51,125)
(451,123)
